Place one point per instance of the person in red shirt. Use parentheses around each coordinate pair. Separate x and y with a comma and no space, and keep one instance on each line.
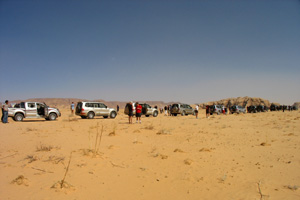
(138,112)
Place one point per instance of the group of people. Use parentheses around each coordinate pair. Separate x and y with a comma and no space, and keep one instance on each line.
(138,112)
(5,112)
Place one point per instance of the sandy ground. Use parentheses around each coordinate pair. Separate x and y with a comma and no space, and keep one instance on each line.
(246,156)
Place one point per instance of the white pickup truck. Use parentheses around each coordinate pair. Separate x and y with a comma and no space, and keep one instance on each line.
(33,110)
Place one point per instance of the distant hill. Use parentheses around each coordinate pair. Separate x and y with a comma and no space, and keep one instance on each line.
(297,104)
(241,101)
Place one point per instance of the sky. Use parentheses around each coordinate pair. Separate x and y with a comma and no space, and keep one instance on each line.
(191,51)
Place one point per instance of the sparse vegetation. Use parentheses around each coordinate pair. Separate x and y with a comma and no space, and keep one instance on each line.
(20,180)
(31,158)
(55,159)
(42,147)
(149,127)
(63,184)
(94,148)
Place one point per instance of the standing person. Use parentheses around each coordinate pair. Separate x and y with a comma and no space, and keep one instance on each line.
(166,110)
(196,111)
(169,109)
(138,112)
(223,110)
(72,108)
(118,108)
(130,112)
(5,112)
(207,111)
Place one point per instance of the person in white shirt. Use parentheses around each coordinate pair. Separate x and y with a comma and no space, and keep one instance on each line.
(196,111)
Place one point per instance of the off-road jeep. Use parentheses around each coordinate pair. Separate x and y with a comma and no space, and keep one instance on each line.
(91,109)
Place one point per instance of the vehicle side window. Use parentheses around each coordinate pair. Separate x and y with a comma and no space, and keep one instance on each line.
(102,105)
(22,105)
(31,105)
(96,105)
(87,105)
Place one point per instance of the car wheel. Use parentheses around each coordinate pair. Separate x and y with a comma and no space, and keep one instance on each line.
(155,114)
(18,117)
(183,113)
(105,117)
(113,115)
(90,115)
(52,116)
(147,115)
(175,115)
(83,117)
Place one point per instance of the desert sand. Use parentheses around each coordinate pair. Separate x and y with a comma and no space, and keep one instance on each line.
(240,156)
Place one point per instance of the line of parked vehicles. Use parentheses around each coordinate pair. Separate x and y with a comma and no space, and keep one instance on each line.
(89,110)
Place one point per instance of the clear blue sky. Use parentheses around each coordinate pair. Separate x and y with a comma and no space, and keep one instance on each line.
(171,50)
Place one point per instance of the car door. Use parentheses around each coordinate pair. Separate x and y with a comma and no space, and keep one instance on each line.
(97,109)
(103,109)
(31,110)
(189,109)
(149,109)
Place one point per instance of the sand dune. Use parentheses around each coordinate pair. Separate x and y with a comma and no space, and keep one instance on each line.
(246,156)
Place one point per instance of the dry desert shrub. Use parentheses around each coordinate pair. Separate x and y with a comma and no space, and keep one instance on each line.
(63,184)
(149,127)
(292,187)
(55,159)
(94,145)
(20,180)
(43,147)
(163,131)
(31,158)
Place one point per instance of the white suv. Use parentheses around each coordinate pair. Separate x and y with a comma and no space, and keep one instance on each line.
(91,109)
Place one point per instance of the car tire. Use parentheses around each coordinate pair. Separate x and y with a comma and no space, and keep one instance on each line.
(155,114)
(175,115)
(183,113)
(52,116)
(90,115)
(147,115)
(19,117)
(113,115)
(83,117)
(105,117)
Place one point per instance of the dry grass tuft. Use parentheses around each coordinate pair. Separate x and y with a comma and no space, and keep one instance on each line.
(149,127)
(64,185)
(20,180)
(31,158)
(292,187)
(45,148)
(55,159)
(163,132)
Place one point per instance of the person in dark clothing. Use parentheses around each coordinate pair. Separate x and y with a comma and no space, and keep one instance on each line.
(207,111)
(118,108)
(130,112)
